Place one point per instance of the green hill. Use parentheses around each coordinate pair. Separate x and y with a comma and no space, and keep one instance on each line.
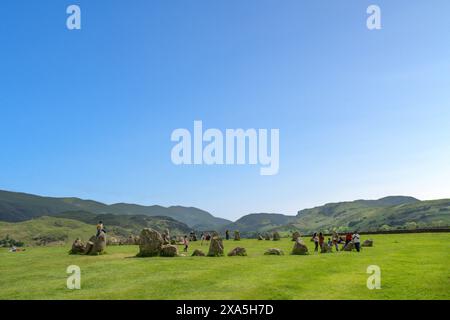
(66,227)
(123,224)
(395,212)
(15,207)
(254,223)
(386,213)
(46,230)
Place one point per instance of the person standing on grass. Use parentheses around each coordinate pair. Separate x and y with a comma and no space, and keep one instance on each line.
(186,243)
(356,240)
(335,239)
(227,235)
(321,240)
(348,239)
(315,238)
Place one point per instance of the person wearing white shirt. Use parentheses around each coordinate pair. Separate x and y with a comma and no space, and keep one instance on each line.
(356,240)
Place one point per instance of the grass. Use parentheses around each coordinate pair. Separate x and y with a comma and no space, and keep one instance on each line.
(413,266)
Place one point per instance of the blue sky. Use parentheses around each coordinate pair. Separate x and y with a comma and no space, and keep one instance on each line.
(89,113)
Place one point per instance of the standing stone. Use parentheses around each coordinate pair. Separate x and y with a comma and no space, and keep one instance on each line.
(260,237)
(276,236)
(299,248)
(238,251)
(367,243)
(266,236)
(215,247)
(237,236)
(88,248)
(99,243)
(78,247)
(198,253)
(169,250)
(274,251)
(296,235)
(151,242)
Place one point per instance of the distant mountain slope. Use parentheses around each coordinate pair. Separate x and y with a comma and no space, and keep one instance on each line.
(390,212)
(123,224)
(45,230)
(16,207)
(365,215)
(259,223)
(67,226)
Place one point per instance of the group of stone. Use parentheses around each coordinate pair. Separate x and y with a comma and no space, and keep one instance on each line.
(152,244)
(96,245)
(299,248)
(275,236)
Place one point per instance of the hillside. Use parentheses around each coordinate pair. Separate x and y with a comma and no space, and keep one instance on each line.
(67,226)
(395,212)
(16,207)
(44,230)
(123,224)
(259,223)
(386,213)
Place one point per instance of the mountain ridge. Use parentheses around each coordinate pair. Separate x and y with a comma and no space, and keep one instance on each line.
(19,206)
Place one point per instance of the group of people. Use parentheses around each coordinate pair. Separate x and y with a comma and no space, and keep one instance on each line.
(335,240)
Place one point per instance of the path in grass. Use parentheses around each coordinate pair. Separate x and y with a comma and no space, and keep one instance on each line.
(413,266)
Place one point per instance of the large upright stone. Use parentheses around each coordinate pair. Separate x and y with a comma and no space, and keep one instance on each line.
(215,247)
(169,250)
(237,235)
(276,236)
(150,243)
(299,248)
(96,245)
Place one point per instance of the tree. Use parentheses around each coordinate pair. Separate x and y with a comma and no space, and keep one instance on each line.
(411,225)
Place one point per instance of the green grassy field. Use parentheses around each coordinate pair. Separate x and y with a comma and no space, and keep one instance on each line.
(413,266)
